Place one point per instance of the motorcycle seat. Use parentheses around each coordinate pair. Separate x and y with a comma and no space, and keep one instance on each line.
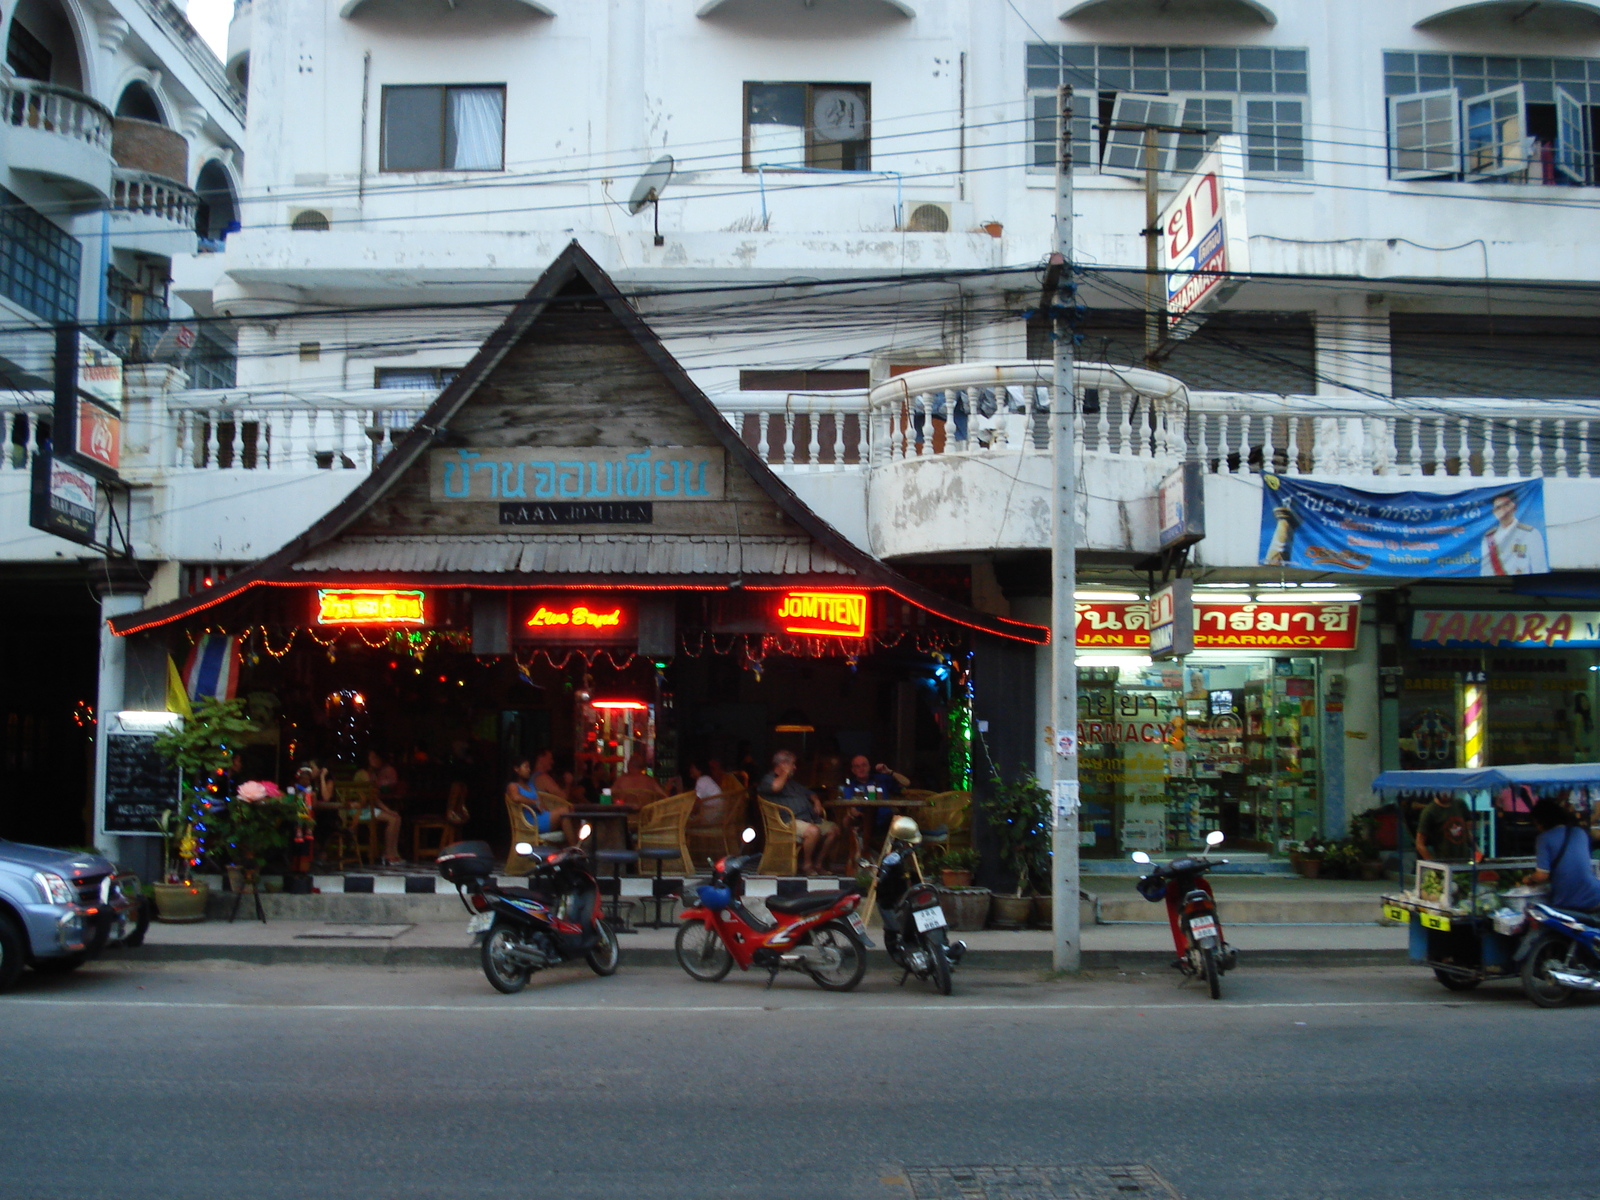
(1588,918)
(522,893)
(796,905)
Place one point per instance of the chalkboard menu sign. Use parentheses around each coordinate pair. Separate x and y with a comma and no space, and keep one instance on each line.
(140,784)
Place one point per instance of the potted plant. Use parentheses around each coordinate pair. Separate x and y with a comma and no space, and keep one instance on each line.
(179,900)
(956,867)
(1306,857)
(257,821)
(1018,816)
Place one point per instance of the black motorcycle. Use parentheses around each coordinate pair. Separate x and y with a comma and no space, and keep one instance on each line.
(523,930)
(914,924)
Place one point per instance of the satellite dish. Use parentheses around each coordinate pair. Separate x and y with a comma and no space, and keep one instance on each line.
(648,191)
(651,184)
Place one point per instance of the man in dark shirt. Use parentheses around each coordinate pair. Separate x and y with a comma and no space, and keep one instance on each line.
(815,833)
(1444,830)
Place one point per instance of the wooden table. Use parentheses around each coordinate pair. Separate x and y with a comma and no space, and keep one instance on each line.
(608,824)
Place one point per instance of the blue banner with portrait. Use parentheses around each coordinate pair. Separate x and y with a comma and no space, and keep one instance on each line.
(1481,531)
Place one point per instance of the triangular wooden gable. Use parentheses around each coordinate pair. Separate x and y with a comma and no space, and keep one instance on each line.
(573,404)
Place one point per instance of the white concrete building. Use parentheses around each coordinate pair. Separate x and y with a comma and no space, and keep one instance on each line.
(870,184)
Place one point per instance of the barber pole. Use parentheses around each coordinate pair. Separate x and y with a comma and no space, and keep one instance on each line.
(1474,696)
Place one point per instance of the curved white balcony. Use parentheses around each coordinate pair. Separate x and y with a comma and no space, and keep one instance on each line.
(151,214)
(57,133)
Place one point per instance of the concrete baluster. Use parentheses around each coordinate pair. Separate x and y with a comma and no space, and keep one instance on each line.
(1513,450)
(814,420)
(788,437)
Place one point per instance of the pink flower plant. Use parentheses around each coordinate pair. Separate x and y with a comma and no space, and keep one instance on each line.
(257,790)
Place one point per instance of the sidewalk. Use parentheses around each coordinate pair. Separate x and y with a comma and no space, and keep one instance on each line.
(382,930)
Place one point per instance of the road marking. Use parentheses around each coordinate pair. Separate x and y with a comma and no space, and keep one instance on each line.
(601,1008)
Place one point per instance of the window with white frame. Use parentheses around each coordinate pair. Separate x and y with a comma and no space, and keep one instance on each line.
(444,127)
(1483,117)
(1198,91)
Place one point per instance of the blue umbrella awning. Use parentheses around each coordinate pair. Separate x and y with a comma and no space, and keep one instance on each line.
(1533,775)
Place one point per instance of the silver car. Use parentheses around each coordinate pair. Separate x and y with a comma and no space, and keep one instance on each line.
(59,908)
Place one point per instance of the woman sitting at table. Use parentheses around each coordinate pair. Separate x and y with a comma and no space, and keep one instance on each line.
(709,802)
(524,790)
(381,774)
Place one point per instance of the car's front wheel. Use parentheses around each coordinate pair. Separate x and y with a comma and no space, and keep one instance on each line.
(13,952)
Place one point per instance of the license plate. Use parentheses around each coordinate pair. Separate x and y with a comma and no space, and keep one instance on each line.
(1394,912)
(1435,921)
(929,918)
(1202,927)
(480,923)
(859,926)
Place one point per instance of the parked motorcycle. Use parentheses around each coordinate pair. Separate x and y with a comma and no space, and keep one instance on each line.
(1192,913)
(1560,954)
(818,933)
(523,930)
(913,922)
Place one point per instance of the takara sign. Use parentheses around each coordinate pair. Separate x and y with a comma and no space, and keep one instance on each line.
(1126,625)
(1455,628)
(675,473)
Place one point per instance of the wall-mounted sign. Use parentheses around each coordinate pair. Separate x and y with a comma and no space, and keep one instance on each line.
(1478,531)
(62,500)
(568,618)
(1547,629)
(566,512)
(99,374)
(1126,625)
(370,606)
(1172,620)
(676,473)
(1181,508)
(832,614)
(99,435)
(1204,248)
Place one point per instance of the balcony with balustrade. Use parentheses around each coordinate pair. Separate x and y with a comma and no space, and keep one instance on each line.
(946,462)
(57,133)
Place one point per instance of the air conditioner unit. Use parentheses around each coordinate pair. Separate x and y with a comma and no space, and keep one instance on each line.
(926,216)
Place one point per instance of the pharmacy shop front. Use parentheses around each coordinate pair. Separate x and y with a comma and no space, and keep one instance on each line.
(1235,736)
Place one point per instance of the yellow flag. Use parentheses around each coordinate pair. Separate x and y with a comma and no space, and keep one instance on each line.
(177,694)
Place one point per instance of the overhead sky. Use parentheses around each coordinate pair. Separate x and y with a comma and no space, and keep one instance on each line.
(211,18)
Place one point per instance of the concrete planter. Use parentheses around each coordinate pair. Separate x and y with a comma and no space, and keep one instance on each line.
(965,908)
(1011,911)
(181,903)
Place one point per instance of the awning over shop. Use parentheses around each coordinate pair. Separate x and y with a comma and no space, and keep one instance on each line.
(1533,775)
(574,452)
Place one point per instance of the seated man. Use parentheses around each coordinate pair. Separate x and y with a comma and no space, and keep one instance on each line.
(864,779)
(814,832)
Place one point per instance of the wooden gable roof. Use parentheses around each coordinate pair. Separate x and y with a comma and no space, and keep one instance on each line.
(573,380)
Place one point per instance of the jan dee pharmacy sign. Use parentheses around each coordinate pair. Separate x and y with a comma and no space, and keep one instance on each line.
(1455,628)
(1204,247)
(1125,625)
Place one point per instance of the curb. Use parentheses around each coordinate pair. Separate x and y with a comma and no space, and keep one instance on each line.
(467,956)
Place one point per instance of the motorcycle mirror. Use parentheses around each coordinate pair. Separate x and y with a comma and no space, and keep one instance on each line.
(1139,856)
(584,831)
(748,836)
(1214,838)
(524,848)
(864,863)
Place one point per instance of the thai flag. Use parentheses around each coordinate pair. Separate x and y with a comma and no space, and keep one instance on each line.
(213,667)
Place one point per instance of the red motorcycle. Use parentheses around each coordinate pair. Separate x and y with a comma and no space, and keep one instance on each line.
(818,933)
(1192,913)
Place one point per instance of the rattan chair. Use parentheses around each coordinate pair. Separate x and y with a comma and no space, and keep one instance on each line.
(358,813)
(781,854)
(720,837)
(947,822)
(663,826)
(525,828)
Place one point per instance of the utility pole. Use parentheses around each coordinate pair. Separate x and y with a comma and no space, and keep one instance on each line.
(1064,551)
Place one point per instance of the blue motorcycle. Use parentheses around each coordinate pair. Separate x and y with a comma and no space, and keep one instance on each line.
(1560,955)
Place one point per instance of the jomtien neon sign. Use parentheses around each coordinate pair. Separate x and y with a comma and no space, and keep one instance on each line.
(833,614)
(370,606)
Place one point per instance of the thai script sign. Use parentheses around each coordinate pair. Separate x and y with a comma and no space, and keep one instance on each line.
(99,435)
(652,473)
(1227,626)
(370,606)
(1172,620)
(1204,248)
(1543,630)
(568,618)
(835,614)
(1479,531)
(62,500)
(99,374)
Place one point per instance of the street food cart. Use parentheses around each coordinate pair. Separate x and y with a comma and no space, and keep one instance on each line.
(1464,917)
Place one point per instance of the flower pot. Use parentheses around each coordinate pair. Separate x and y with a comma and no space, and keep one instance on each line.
(1011,911)
(181,903)
(243,879)
(1372,871)
(1311,867)
(965,908)
(1043,912)
(956,879)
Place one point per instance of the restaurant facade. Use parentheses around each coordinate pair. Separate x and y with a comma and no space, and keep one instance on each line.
(574,551)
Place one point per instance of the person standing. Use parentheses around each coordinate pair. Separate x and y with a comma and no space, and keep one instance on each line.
(1444,830)
(1562,850)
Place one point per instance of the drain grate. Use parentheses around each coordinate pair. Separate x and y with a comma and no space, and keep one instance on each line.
(1123,1181)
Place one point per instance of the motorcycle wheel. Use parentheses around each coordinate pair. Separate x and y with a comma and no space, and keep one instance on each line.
(1208,968)
(604,957)
(852,966)
(1455,982)
(505,975)
(941,967)
(1536,982)
(701,952)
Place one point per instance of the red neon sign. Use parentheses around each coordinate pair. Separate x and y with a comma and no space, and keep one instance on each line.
(556,618)
(633,705)
(833,614)
(370,606)
(579,616)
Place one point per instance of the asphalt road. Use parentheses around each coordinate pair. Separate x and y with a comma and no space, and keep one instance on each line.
(265,1082)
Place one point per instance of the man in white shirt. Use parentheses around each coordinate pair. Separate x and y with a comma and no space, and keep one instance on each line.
(1512,547)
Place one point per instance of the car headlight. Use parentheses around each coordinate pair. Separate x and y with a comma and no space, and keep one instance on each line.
(53,888)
